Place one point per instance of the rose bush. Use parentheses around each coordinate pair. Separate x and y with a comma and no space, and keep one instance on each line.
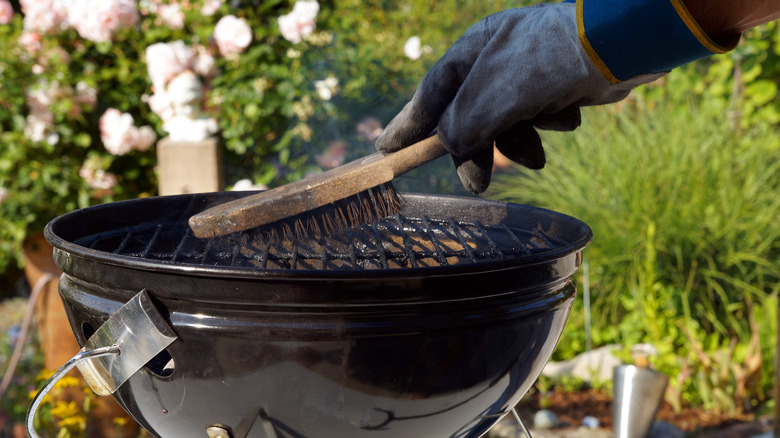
(6,12)
(293,86)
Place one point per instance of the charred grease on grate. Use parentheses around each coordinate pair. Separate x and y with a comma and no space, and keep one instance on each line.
(395,242)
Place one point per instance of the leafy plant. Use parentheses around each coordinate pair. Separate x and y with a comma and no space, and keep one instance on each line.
(274,117)
(683,210)
(14,401)
(60,415)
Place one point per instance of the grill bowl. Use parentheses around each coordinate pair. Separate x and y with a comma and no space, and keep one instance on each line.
(378,333)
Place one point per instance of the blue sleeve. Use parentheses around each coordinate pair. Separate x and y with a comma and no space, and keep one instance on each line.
(625,38)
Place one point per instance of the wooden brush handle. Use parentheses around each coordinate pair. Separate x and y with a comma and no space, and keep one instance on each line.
(365,173)
(415,155)
(313,192)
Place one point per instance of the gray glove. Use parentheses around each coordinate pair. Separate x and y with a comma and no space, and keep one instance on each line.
(512,72)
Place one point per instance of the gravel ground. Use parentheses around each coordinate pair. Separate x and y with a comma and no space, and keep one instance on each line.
(508,428)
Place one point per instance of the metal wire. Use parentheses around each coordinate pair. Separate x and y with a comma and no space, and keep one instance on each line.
(439,255)
(520,422)
(513,236)
(126,239)
(466,247)
(406,241)
(496,252)
(69,365)
(381,246)
(149,245)
(392,243)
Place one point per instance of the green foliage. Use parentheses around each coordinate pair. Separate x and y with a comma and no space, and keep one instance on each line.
(685,254)
(272,121)
(16,397)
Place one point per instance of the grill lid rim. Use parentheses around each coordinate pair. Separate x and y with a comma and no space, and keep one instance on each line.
(575,226)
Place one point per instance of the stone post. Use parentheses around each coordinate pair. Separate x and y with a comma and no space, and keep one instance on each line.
(189,166)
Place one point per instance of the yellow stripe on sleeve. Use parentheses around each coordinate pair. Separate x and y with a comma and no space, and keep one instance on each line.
(594,57)
(698,32)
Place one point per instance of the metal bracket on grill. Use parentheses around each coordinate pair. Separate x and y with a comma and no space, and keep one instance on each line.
(131,337)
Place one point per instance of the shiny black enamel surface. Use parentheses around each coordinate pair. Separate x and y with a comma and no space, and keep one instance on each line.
(419,352)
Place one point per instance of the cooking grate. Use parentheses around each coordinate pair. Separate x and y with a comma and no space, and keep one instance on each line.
(400,241)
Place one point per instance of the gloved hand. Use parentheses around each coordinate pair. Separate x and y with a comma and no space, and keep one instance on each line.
(512,72)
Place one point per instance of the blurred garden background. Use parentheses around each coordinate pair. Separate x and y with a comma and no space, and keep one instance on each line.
(680,182)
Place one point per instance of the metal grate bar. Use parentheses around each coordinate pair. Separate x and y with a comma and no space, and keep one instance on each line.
(380,246)
(352,249)
(294,261)
(493,247)
(407,242)
(206,250)
(395,242)
(126,239)
(264,255)
(91,243)
(459,235)
(151,242)
(439,255)
(324,256)
(240,243)
(540,234)
(513,236)
(177,252)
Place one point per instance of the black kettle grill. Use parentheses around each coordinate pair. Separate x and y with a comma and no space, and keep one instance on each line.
(431,323)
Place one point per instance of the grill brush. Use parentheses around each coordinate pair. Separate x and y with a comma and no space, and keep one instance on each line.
(350,195)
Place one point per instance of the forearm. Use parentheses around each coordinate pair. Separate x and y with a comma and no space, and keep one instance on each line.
(723,18)
(632,37)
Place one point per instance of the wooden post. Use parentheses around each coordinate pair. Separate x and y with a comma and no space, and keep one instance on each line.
(189,166)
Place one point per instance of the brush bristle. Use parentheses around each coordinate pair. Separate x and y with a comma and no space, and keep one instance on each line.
(353,211)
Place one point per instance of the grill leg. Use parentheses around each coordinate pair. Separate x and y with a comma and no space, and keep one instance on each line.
(520,422)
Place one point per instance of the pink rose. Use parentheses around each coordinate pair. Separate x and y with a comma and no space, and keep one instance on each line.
(172,15)
(164,61)
(30,41)
(98,179)
(203,63)
(85,95)
(232,35)
(145,138)
(44,16)
(300,22)
(119,134)
(6,12)
(116,131)
(39,98)
(98,20)
(40,119)
(160,104)
(210,7)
